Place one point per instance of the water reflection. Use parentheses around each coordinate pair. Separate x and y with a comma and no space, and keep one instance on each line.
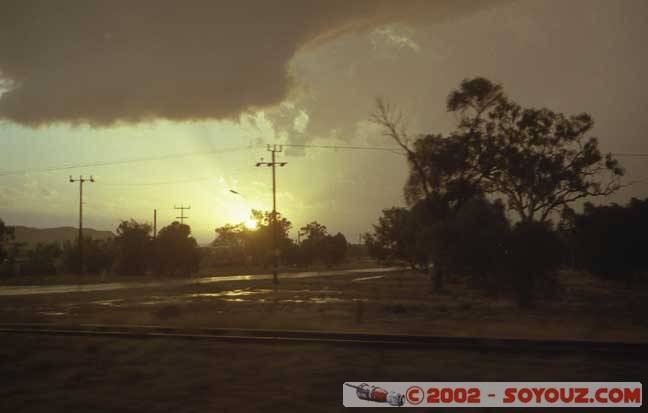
(58,289)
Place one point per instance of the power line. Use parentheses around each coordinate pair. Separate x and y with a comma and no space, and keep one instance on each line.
(161,183)
(392,149)
(124,161)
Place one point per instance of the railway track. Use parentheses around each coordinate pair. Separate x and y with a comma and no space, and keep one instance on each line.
(631,349)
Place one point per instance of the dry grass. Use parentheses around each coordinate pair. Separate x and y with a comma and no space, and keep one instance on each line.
(73,374)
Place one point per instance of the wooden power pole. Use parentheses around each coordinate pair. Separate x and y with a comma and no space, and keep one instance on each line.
(275,248)
(182,216)
(81,180)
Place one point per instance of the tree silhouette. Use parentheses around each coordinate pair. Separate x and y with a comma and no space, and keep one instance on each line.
(98,255)
(475,241)
(312,245)
(610,240)
(537,160)
(176,250)
(394,237)
(257,243)
(318,245)
(134,246)
(334,249)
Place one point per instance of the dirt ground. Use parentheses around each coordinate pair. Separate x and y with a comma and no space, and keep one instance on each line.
(82,374)
(89,374)
(380,303)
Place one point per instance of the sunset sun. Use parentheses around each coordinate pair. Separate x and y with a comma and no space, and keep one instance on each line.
(250,224)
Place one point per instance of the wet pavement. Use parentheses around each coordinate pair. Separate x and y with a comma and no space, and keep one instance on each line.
(58,289)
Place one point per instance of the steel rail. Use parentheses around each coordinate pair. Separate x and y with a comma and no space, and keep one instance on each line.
(633,349)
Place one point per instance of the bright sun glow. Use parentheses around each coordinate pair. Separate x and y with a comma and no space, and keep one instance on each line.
(250,224)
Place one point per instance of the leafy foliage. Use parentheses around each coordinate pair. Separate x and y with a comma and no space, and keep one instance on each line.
(534,162)
(176,251)
(319,245)
(257,243)
(610,240)
(537,160)
(133,247)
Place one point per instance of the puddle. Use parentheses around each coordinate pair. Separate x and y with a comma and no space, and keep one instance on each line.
(79,288)
(231,293)
(368,278)
(109,303)
(321,300)
(161,300)
(247,295)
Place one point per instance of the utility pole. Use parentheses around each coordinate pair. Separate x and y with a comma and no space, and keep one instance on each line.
(274,149)
(182,208)
(81,180)
(154,223)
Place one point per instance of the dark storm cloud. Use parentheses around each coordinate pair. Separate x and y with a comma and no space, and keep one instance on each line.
(102,62)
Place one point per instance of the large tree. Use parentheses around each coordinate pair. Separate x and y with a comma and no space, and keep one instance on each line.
(335,249)
(312,245)
(538,160)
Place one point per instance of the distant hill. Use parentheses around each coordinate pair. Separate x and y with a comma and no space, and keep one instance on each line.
(32,236)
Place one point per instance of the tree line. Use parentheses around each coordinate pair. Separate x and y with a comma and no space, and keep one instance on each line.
(239,244)
(136,251)
(133,251)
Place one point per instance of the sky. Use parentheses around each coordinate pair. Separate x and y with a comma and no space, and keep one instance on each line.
(174,104)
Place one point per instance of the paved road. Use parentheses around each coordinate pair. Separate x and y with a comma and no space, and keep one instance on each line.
(80,288)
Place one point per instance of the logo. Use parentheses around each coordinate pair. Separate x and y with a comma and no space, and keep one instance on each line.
(376,394)
(414,395)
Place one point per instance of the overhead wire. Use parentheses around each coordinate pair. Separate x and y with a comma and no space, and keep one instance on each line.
(123,161)
(390,149)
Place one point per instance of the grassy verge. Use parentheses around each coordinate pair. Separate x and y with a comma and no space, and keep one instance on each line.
(75,374)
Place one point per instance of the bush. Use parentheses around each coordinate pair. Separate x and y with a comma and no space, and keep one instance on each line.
(610,240)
